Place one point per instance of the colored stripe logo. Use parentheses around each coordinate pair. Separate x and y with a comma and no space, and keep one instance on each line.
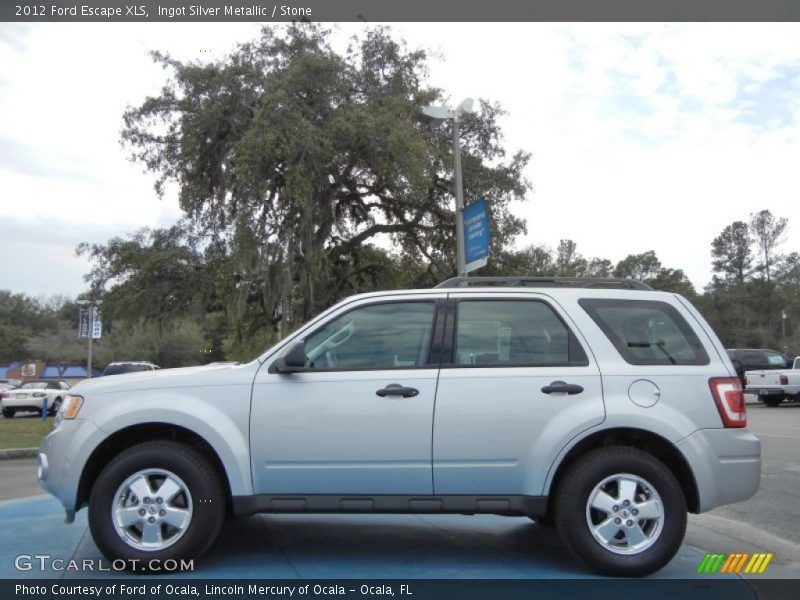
(745,562)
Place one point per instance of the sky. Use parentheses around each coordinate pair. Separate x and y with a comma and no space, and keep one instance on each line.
(643,136)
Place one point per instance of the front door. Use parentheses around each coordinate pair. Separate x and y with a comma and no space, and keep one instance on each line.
(358,419)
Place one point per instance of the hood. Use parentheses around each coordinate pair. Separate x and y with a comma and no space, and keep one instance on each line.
(185,377)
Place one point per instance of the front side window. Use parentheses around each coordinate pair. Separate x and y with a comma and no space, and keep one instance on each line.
(647,332)
(513,333)
(382,336)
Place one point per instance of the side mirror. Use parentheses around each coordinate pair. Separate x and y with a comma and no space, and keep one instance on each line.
(293,361)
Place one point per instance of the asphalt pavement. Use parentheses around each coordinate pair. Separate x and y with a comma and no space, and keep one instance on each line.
(433,546)
(767,522)
(18,479)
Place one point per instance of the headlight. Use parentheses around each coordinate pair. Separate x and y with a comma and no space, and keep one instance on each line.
(69,409)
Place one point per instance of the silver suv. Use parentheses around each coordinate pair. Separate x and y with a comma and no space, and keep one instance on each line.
(609,412)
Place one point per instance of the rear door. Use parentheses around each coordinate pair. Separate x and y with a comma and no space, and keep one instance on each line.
(516,384)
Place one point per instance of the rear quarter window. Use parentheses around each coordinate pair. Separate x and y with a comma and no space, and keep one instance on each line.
(646,332)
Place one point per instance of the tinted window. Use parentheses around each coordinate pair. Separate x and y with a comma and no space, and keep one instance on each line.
(513,333)
(125,368)
(752,358)
(647,332)
(776,359)
(381,336)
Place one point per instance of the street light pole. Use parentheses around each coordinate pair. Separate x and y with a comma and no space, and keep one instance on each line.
(92,314)
(783,330)
(437,114)
(461,263)
(89,358)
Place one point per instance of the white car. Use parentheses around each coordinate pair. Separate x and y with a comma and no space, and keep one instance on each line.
(32,395)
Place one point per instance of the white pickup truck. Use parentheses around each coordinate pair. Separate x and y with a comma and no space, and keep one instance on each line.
(773,387)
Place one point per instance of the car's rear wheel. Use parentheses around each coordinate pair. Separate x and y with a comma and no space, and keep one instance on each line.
(621,511)
(771,401)
(8,412)
(156,501)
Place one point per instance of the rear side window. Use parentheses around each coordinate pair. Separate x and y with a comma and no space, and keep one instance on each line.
(513,333)
(647,332)
(776,359)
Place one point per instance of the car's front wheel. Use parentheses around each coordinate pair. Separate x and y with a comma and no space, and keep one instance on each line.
(621,511)
(8,412)
(156,501)
(54,407)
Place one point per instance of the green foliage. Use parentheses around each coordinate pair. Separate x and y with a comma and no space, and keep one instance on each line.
(732,253)
(58,344)
(767,231)
(294,162)
(23,317)
(183,344)
(754,285)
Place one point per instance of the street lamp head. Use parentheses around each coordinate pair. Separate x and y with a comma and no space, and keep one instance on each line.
(437,114)
(467,106)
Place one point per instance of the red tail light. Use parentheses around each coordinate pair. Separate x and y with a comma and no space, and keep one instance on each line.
(784,380)
(729,397)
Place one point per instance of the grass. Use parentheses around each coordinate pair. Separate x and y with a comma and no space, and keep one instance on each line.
(23,431)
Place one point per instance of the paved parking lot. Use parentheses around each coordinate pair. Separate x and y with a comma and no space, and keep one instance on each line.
(332,547)
(767,522)
(429,546)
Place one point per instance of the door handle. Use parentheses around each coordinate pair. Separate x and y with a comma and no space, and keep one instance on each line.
(561,387)
(395,389)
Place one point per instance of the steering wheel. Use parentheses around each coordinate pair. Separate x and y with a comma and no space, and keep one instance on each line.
(334,341)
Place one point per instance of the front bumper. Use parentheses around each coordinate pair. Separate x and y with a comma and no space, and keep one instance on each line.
(62,457)
(726,464)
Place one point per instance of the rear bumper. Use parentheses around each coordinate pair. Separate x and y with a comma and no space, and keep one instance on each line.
(726,464)
(765,391)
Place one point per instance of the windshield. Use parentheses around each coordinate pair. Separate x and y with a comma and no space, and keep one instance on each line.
(34,385)
(129,368)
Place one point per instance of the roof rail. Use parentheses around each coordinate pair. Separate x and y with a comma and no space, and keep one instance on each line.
(578,282)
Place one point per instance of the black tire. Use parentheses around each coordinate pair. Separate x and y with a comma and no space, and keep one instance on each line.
(572,501)
(206,497)
(771,401)
(545,521)
(8,412)
(54,407)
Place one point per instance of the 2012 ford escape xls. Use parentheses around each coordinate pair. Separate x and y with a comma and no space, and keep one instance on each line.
(601,406)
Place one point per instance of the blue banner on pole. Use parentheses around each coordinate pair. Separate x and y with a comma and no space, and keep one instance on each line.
(476,234)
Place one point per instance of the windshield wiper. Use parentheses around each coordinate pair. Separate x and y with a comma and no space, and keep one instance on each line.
(660,345)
